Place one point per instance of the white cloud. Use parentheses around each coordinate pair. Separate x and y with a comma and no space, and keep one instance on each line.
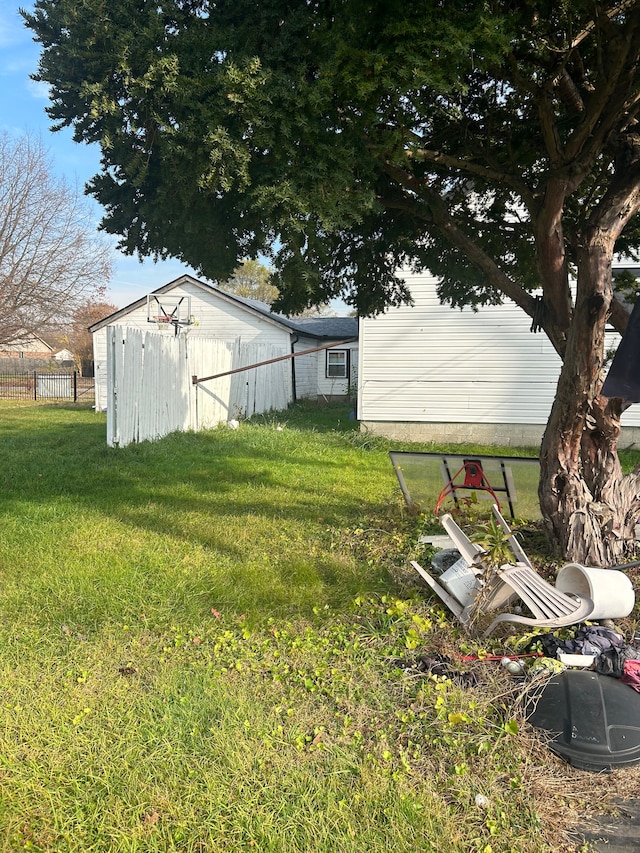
(38,91)
(18,52)
(13,32)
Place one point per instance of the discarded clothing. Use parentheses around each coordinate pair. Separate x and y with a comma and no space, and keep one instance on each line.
(613,661)
(589,640)
(631,674)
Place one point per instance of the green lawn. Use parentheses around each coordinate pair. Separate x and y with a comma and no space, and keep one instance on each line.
(207,645)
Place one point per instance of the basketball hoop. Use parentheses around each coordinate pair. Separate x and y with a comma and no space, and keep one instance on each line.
(474,479)
(163,320)
(169,310)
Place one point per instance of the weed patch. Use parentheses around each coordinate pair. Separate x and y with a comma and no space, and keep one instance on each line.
(235,730)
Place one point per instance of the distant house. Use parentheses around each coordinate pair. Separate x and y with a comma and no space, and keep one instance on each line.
(329,373)
(429,372)
(63,355)
(28,346)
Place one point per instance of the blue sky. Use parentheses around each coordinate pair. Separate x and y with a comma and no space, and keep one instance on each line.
(22,109)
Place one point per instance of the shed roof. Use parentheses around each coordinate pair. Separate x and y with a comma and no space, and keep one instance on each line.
(325,328)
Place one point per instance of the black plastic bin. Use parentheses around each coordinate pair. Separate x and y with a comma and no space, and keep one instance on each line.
(594,719)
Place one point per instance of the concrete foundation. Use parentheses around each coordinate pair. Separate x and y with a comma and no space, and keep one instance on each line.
(503,435)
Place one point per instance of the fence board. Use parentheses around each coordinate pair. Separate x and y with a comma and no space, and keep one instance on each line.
(150,392)
(130,384)
(212,400)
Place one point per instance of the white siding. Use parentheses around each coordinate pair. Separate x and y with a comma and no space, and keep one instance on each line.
(430,363)
(306,367)
(311,379)
(332,386)
(214,317)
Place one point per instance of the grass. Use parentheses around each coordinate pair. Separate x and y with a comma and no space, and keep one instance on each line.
(209,643)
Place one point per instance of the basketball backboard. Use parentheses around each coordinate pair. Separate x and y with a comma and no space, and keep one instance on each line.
(168,310)
(425,478)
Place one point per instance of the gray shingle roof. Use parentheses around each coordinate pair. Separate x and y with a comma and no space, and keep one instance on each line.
(333,328)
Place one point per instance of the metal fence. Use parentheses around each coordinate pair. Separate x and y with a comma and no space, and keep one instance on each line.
(34,385)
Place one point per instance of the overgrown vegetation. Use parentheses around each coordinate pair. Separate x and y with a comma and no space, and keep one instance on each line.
(213,643)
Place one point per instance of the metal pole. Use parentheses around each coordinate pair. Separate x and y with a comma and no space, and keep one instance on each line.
(196,379)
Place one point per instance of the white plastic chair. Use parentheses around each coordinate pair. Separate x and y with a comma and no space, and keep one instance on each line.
(549,606)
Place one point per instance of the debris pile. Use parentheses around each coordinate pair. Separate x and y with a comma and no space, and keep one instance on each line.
(579,676)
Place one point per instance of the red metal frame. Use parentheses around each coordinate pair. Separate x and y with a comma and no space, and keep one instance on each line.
(474,478)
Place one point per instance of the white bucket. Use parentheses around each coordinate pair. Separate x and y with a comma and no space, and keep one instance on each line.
(460,581)
(610,589)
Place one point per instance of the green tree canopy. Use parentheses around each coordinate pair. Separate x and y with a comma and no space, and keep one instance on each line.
(494,142)
(252,280)
(355,136)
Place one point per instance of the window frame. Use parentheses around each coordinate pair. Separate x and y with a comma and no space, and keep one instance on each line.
(344,365)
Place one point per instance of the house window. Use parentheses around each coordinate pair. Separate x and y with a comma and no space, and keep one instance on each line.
(337,364)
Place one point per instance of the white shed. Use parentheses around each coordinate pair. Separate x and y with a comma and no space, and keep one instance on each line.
(63,355)
(429,372)
(327,374)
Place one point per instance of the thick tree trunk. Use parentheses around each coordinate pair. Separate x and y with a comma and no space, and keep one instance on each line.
(589,507)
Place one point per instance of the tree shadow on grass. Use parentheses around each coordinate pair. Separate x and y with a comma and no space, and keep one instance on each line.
(231,519)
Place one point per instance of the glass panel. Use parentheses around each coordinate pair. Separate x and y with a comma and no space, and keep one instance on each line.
(514,481)
(337,364)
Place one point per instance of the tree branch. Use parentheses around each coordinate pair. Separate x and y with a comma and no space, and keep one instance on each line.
(458,238)
(475,169)
(608,100)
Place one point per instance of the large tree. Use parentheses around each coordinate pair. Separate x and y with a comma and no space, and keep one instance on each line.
(252,280)
(51,255)
(494,142)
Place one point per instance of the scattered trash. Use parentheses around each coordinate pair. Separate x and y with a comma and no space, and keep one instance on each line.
(500,657)
(473,480)
(444,559)
(586,640)
(233,423)
(610,590)
(631,674)
(576,660)
(473,587)
(567,688)
(439,665)
(513,667)
(495,478)
(614,661)
(546,666)
(481,801)
(593,720)
(460,580)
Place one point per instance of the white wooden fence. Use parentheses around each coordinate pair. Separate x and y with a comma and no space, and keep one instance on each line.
(150,392)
